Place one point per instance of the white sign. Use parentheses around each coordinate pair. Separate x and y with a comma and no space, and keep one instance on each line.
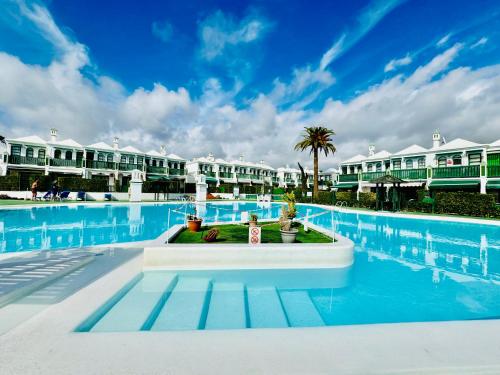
(309,194)
(236,191)
(254,235)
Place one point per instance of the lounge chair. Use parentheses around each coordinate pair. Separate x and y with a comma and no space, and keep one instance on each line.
(81,195)
(47,196)
(64,195)
(108,197)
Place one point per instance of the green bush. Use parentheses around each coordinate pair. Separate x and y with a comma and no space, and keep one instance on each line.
(278,191)
(10,182)
(468,204)
(83,184)
(347,196)
(325,197)
(367,200)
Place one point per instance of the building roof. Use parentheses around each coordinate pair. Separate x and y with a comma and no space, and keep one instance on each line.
(410,150)
(379,155)
(174,157)
(496,143)
(101,146)
(131,149)
(30,139)
(456,144)
(154,153)
(67,142)
(355,159)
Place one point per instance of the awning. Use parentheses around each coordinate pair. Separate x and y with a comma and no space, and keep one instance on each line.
(493,185)
(454,183)
(157,178)
(346,185)
(210,179)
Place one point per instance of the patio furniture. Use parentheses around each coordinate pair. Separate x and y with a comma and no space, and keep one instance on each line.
(108,197)
(63,195)
(81,195)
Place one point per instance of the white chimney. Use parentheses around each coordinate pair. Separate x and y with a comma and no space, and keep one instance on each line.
(211,156)
(436,139)
(241,157)
(115,143)
(53,135)
(163,150)
(371,150)
(262,162)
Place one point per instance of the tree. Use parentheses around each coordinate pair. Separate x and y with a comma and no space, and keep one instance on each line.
(303,178)
(317,139)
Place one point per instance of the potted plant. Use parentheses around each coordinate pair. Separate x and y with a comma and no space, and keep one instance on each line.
(194,223)
(288,234)
(253,220)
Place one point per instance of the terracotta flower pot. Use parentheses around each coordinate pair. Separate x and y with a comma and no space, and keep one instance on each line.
(194,225)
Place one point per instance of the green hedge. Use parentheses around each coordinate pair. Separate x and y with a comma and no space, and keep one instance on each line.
(278,191)
(9,183)
(347,196)
(367,200)
(83,184)
(325,197)
(468,204)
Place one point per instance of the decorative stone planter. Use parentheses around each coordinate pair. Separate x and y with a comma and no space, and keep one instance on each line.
(288,236)
(194,225)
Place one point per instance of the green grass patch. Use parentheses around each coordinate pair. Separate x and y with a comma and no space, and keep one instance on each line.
(234,233)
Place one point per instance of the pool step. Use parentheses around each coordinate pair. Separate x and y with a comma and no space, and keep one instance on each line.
(186,306)
(265,308)
(133,309)
(300,309)
(227,306)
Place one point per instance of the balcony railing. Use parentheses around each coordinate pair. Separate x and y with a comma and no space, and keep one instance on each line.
(494,171)
(96,164)
(226,175)
(368,176)
(456,172)
(244,176)
(16,159)
(410,174)
(275,179)
(256,178)
(207,173)
(352,177)
(128,167)
(156,169)
(65,163)
(176,172)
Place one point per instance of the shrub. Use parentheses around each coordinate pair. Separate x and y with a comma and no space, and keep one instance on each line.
(464,203)
(325,197)
(83,184)
(10,182)
(278,191)
(367,200)
(347,196)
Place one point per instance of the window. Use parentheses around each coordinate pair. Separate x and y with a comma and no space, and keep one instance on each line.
(57,154)
(369,167)
(457,160)
(409,164)
(396,164)
(123,159)
(29,152)
(379,167)
(100,156)
(41,153)
(442,161)
(109,158)
(15,150)
(161,163)
(140,160)
(131,159)
(154,163)
(69,155)
(474,159)
(421,163)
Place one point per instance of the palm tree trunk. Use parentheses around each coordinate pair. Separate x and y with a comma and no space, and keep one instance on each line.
(316,170)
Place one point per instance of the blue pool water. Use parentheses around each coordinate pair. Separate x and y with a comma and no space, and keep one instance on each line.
(405,270)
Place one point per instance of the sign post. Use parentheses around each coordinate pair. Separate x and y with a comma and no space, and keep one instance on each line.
(254,235)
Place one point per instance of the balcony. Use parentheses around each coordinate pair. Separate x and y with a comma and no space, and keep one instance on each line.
(456,172)
(275,179)
(16,159)
(129,167)
(494,171)
(207,173)
(352,177)
(156,169)
(95,164)
(244,176)
(176,172)
(226,175)
(256,178)
(410,174)
(68,163)
(368,176)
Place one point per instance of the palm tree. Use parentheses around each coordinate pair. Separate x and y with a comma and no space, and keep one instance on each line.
(316,138)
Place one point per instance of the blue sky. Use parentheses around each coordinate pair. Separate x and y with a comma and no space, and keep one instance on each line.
(234,77)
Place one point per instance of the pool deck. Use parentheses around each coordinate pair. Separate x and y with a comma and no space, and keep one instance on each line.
(46,344)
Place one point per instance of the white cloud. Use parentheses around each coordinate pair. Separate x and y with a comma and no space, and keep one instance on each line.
(441,42)
(396,63)
(221,31)
(480,42)
(366,21)
(163,30)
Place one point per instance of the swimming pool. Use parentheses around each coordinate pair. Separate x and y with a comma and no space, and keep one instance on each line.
(405,270)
